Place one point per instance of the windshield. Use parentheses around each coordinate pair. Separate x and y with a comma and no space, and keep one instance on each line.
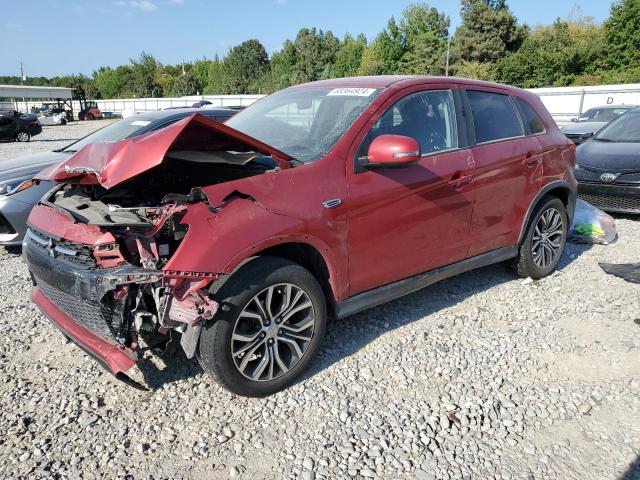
(626,128)
(116,131)
(602,114)
(304,123)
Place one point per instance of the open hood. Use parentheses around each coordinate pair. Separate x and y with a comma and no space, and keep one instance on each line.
(111,163)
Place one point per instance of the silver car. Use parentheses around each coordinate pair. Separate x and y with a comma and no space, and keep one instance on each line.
(19,193)
(583,128)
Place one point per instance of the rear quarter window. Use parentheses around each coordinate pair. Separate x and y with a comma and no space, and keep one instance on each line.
(532,123)
(494,116)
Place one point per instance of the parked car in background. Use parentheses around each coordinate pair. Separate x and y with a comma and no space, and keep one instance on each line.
(582,128)
(18,126)
(322,199)
(608,166)
(47,119)
(19,192)
(201,103)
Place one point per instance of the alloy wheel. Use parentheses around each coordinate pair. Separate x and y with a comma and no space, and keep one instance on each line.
(546,243)
(272,332)
(23,137)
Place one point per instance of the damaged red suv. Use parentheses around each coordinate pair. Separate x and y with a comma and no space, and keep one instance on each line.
(321,200)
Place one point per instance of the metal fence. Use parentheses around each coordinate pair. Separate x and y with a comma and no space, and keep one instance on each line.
(564,103)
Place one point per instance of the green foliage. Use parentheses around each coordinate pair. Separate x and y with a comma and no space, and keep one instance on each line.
(622,34)
(490,44)
(424,31)
(349,56)
(244,67)
(556,55)
(489,31)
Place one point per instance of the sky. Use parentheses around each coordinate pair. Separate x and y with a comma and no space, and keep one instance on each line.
(57,37)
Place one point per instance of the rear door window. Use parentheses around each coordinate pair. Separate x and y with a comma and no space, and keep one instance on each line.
(532,123)
(494,116)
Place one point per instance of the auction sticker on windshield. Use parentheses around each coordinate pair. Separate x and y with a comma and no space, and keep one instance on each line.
(351,92)
(140,123)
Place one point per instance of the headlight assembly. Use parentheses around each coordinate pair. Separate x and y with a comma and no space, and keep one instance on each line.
(14,186)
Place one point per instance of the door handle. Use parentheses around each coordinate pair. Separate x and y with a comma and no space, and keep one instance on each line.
(460,181)
(532,158)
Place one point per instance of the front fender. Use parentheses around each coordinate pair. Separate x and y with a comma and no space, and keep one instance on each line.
(217,242)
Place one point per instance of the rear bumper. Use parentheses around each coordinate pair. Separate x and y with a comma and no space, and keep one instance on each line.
(611,197)
(115,359)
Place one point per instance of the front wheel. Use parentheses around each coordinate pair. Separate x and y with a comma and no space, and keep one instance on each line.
(23,136)
(270,324)
(544,242)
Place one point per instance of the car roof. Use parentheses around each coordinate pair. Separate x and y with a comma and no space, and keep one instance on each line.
(384,81)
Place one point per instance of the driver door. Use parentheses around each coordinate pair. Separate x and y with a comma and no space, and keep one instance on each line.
(405,221)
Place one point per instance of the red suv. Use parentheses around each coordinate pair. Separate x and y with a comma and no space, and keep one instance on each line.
(238,240)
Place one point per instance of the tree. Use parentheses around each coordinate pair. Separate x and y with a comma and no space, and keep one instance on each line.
(372,63)
(556,55)
(391,46)
(489,31)
(315,53)
(144,73)
(244,67)
(183,85)
(113,83)
(622,34)
(349,57)
(424,32)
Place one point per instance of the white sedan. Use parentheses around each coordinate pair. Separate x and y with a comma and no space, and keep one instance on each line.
(53,119)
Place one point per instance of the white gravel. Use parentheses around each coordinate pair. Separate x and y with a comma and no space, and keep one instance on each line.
(51,138)
(480,376)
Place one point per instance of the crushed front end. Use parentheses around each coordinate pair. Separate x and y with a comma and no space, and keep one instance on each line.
(105,287)
(101,245)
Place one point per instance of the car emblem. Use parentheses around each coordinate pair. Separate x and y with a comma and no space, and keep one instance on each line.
(608,177)
(51,249)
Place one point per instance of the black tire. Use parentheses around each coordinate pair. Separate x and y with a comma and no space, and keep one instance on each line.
(63,121)
(23,136)
(81,117)
(233,294)
(89,116)
(525,263)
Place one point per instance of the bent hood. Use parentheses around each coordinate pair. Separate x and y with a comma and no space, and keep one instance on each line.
(111,163)
(609,156)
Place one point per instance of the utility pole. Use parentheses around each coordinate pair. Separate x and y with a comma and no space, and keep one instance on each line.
(446,68)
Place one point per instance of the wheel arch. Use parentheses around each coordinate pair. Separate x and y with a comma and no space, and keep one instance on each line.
(559,189)
(309,257)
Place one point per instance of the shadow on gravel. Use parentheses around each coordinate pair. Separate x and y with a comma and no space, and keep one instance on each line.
(633,472)
(176,367)
(16,251)
(345,340)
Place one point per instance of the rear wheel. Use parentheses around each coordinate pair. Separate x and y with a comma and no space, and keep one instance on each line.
(89,116)
(23,136)
(270,324)
(544,242)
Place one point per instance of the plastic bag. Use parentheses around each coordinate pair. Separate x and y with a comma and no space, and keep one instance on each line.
(592,225)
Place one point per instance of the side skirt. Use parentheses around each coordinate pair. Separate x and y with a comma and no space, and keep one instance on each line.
(378,296)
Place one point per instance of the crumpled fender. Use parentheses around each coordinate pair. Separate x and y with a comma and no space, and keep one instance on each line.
(244,225)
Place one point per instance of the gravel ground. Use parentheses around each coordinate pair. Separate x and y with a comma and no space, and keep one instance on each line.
(480,376)
(51,138)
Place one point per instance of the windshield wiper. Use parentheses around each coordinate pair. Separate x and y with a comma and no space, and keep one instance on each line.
(601,139)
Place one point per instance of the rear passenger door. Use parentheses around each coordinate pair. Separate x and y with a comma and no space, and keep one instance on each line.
(508,169)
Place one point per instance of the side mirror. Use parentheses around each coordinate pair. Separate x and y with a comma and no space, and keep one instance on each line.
(389,151)
(574,120)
